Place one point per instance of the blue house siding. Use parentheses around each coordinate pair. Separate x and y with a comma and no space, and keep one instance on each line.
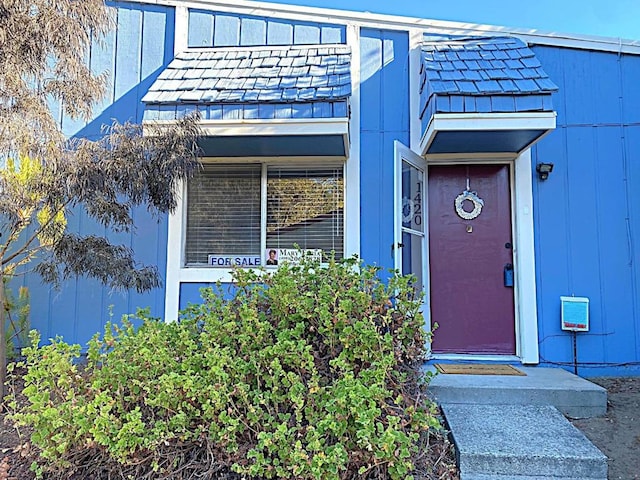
(213,29)
(250,111)
(133,55)
(82,306)
(586,223)
(384,113)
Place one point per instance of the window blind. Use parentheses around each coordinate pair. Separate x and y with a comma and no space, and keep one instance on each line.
(305,207)
(223,212)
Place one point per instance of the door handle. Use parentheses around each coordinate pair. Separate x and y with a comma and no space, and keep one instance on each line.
(508,275)
(394,246)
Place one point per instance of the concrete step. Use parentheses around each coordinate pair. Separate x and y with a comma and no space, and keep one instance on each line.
(521,442)
(572,395)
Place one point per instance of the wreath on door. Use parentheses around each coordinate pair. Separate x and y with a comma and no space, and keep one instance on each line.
(478,203)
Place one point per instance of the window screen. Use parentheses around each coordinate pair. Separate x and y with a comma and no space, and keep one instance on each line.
(223,212)
(305,208)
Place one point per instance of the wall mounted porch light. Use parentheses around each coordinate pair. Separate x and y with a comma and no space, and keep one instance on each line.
(544,169)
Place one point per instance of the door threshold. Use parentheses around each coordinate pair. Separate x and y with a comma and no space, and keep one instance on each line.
(458,357)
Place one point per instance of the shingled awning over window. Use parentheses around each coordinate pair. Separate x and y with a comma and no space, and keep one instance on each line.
(266,85)
(483,95)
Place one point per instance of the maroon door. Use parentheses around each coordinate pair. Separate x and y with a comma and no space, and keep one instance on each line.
(471,297)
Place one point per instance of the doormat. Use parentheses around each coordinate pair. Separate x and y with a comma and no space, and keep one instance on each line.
(478,369)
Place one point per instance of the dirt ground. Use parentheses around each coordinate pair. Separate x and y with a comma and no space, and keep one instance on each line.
(617,434)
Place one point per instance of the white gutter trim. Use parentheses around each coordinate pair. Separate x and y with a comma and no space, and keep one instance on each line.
(268,127)
(393,22)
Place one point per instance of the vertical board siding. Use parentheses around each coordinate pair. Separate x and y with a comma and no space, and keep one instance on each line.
(616,309)
(226,31)
(131,56)
(128,48)
(335,109)
(587,224)
(254,32)
(154,44)
(384,105)
(81,307)
(631,144)
(630,67)
(552,242)
(200,28)
(103,62)
(586,244)
(214,29)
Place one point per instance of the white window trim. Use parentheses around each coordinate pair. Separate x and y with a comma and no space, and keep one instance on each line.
(178,273)
(442,122)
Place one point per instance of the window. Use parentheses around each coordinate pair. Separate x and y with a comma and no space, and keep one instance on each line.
(245,211)
(223,213)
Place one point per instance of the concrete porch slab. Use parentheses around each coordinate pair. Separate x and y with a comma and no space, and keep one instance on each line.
(521,442)
(572,395)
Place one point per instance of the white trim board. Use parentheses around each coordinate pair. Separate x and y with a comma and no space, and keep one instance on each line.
(442,122)
(393,22)
(525,259)
(415,51)
(352,167)
(264,127)
(270,126)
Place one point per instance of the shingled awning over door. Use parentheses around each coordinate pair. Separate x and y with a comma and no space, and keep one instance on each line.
(482,95)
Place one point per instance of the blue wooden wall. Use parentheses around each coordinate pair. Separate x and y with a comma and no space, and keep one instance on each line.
(384,114)
(133,56)
(587,219)
(213,29)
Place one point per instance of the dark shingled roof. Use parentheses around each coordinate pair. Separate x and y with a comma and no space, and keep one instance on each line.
(482,66)
(288,74)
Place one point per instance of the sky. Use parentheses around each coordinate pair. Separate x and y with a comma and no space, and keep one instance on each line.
(608,18)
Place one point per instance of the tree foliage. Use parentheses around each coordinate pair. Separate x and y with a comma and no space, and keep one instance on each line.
(45,44)
(44,176)
(107,178)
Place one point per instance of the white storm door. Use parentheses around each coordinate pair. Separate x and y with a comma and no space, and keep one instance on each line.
(410,217)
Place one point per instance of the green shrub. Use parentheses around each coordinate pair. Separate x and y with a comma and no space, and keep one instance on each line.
(307,373)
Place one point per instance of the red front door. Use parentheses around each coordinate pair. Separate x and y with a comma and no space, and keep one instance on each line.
(469,250)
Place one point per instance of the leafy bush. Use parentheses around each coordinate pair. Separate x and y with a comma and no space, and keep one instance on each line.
(306,373)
